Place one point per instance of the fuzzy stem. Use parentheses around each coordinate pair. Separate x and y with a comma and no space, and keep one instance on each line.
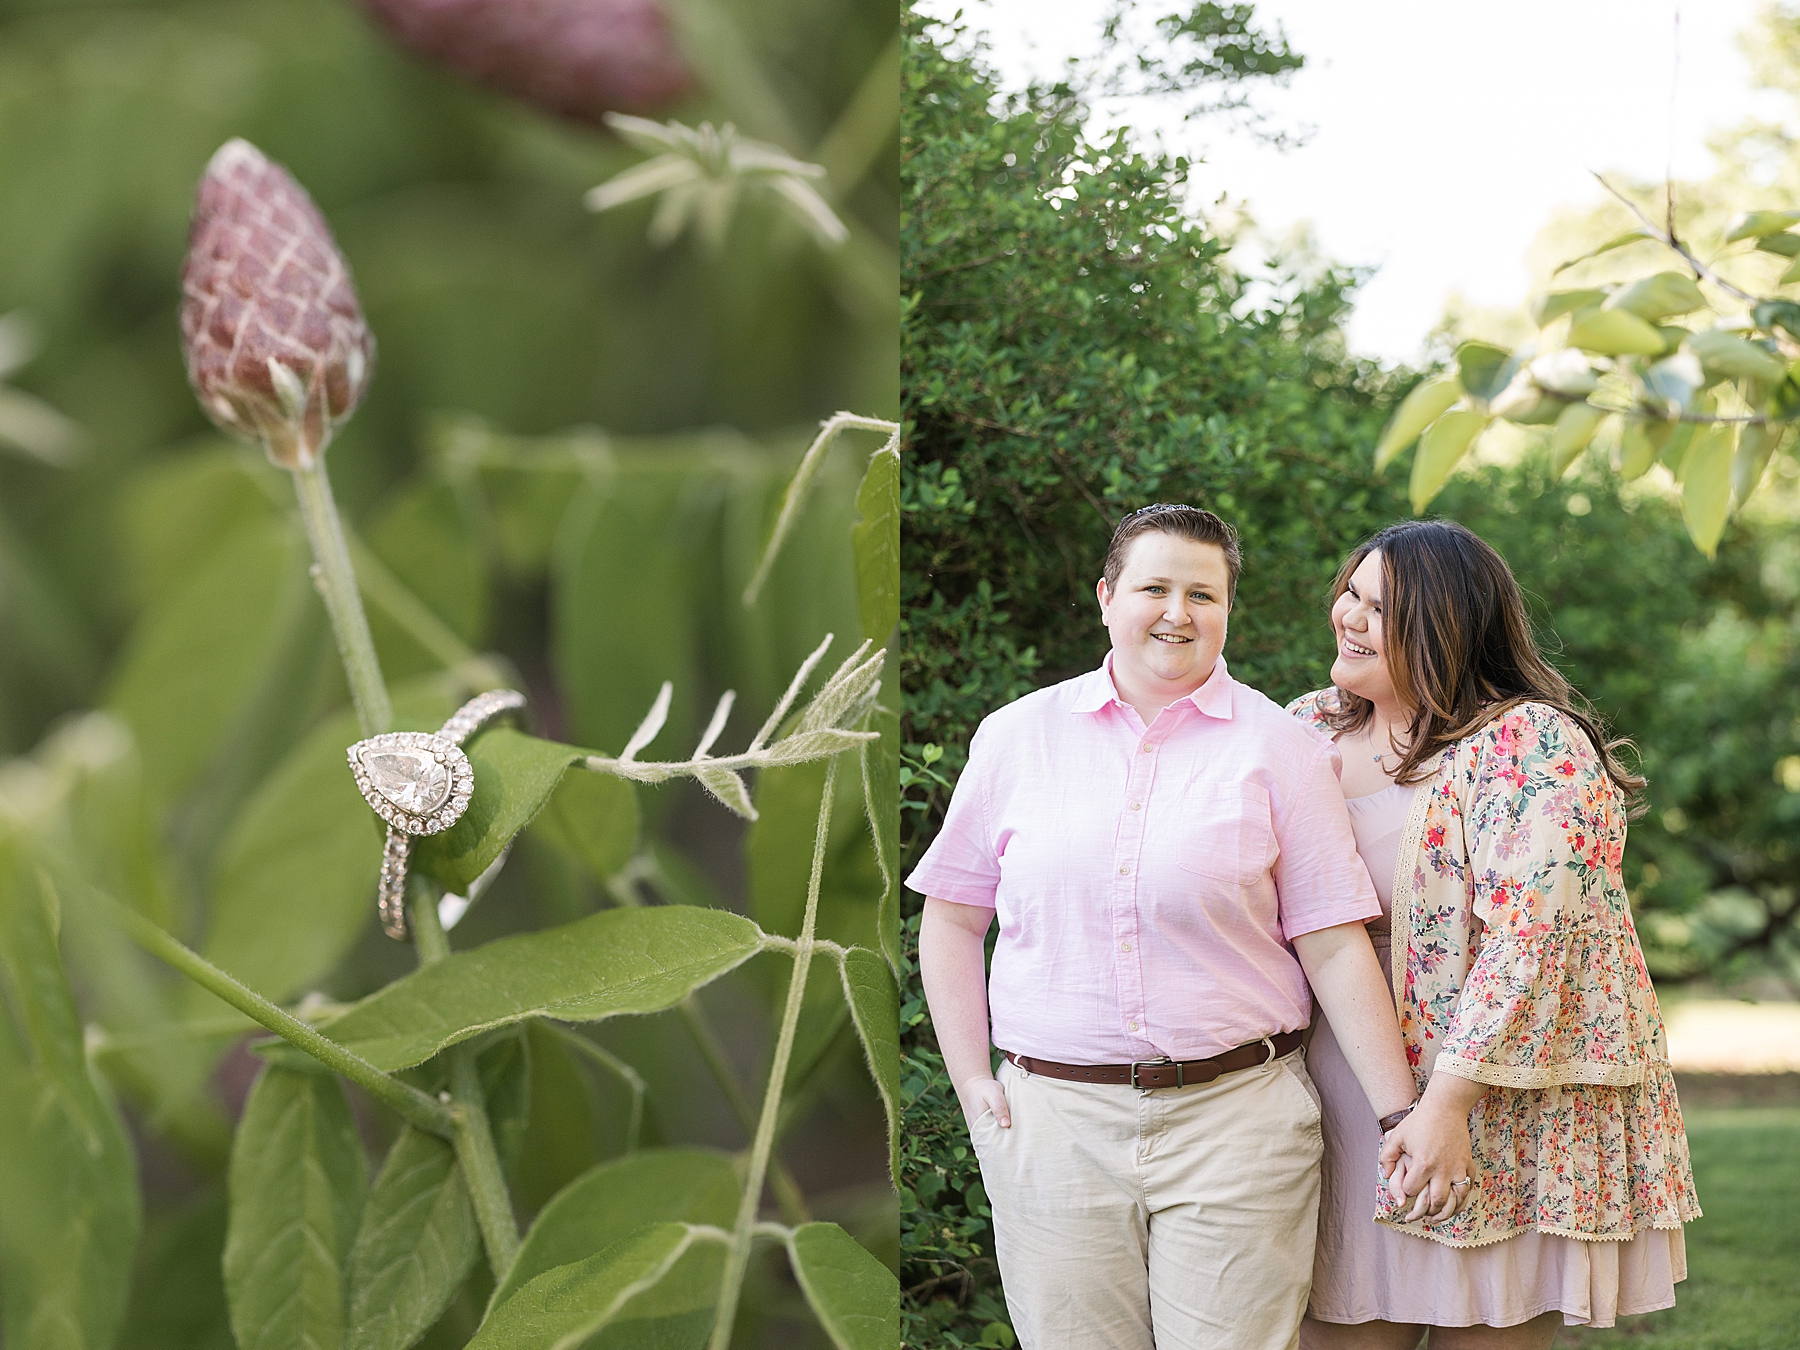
(472,1135)
(415,1107)
(737,1259)
(337,584)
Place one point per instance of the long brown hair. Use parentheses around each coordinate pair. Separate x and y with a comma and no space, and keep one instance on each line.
(1459,647)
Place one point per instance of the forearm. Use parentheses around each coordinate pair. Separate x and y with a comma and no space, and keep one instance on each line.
(1347,983)
(953,972)
(1452,1095)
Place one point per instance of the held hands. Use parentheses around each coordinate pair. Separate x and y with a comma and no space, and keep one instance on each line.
(1423,1155)
(980,1093)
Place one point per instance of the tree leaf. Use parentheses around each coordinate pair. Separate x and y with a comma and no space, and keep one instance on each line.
(1783,245)
(417,1242)
(1574,429)
(196,655)
(881,803)
(1706,487)
(561,1308)
(876,542)
(595,817)
(295,880)
(1641,442)
(1616,332)
(1419,409)
(1790,276)
(874,1001)
(1736,358)
(1783,314)
(615,962)
(177,510)
(515,775)
(1549,307)
(1617,241)
(854,1296)
(297,1186)
(69,1209)
(1443,443)
(1757,443)
(611,1201)
(1484,370)
(1675,380)
(1756,224)
(1659,296)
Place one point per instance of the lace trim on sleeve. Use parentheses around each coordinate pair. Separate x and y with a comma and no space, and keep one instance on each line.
(1594,1072)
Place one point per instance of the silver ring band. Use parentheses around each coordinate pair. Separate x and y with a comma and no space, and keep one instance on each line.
(420,783)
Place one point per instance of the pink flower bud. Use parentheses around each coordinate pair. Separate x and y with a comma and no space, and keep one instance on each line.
(275,342)
(577,58)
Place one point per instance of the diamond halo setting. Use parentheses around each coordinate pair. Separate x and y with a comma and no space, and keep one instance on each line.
(418,782)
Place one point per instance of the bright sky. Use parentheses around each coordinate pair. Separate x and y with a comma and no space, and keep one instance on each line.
(1446,133)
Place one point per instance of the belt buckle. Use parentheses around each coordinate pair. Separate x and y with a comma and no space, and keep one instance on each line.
(1136,1064)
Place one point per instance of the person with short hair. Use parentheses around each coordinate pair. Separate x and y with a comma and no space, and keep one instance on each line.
(1171,864)
(1491,811)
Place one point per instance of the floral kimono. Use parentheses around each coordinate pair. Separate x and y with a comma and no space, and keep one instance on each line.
(1515,963)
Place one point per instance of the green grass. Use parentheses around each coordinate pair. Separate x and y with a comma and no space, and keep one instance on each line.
(1743,1286)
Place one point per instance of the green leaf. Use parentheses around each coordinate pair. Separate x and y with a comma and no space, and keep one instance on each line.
(876,542)
(561,1308)
(1424,405)
(612,963)
(297,1186)
(1616,332)
(177,510)
(1484,370)
(1736,358)
(1675,443)
(1443,443)
(1659,296)
(1574,429)
(613,1200)
(1706,487)
(426,540)
(595,817)
(1547,308)
(515,775)
(198,653)
(1642,441)
(1783,314)
(417,1243)
(1617,241)
(874,1001)
(1785,245)
(177,1290)
(780,850)
(69,1210)
(881,803)
(1757,224)
(1757,443)
(854,1296)
(294,884)
(1675,380)
(505,1065)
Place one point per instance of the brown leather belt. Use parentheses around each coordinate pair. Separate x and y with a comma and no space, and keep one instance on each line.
(1163,1073)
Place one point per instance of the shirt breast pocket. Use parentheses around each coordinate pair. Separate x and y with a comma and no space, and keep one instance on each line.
(1229,834)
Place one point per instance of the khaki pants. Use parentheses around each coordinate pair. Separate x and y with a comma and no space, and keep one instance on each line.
(1172,1219)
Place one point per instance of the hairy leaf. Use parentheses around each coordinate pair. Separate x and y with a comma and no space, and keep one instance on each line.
(69,1210)
(1616,332)
(417,1243)
(1427,402)
(874,1001)
(615,962)
(297,1187)
(515,775)
(595,817)
(876,542)
(561,1308)
(1442,445)
(856,1298)
(1706,487)
(881,802)
(611,1201)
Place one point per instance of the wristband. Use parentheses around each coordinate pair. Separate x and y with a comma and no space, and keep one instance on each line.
(1389,1122)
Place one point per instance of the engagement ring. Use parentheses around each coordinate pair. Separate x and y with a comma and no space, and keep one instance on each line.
(419,782)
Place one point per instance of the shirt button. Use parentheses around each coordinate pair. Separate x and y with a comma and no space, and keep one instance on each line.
(1137,806)
(1133,1026)
(1124,871)
(1124,946)
(1148,748)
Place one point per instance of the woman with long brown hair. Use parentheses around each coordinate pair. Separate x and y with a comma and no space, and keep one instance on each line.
(1491,811)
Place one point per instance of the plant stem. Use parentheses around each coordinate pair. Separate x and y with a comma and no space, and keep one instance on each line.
(337,584)
(415,1107)
(737,1258)
(387,593)
(613,1065)
(471,1133)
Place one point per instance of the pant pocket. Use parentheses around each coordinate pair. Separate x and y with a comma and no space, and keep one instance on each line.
(1293,1068)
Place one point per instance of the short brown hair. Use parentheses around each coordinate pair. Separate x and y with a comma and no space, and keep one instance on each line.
(1460,649)
(1184,522)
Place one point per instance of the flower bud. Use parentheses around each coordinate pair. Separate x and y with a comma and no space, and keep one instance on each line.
(577,58)
(276,346)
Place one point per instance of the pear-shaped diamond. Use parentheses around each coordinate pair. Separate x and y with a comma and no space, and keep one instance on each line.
(411,779)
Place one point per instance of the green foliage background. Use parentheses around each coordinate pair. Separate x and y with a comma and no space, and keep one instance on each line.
(1076,345)
(570,458)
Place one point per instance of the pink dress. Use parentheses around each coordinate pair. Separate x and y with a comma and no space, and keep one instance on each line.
(1365,1272)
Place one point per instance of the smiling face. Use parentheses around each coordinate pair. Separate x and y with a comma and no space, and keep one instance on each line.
(1361,667)
(1167,616)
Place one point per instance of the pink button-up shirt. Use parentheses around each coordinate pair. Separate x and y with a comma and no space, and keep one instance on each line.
(1147,881)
